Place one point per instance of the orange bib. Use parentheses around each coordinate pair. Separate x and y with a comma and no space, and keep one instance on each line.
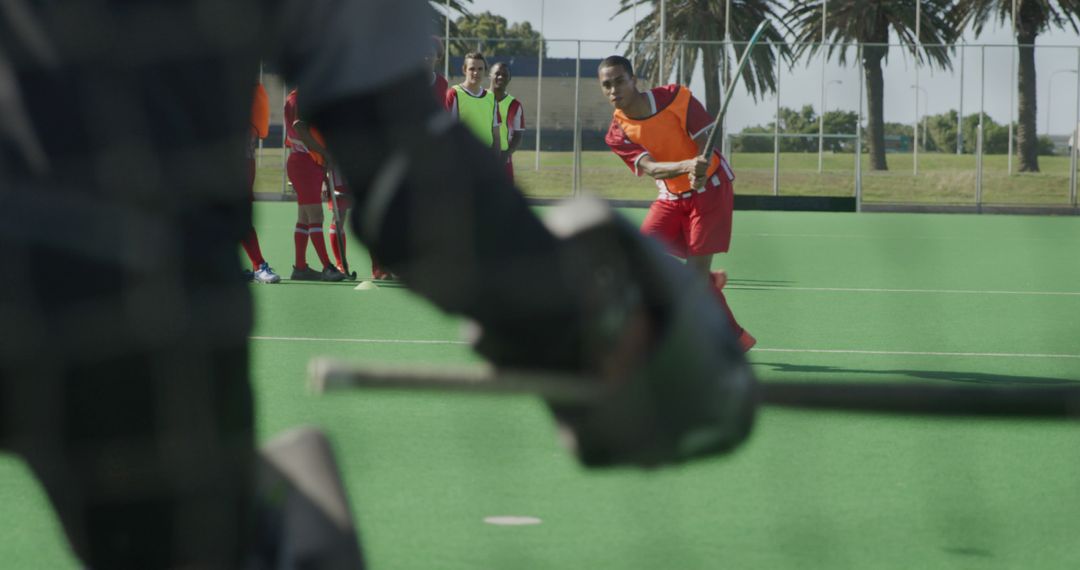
(665,138)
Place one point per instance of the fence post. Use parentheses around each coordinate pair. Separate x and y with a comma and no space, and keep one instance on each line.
(858,139)
(979,135)
(1076,136)
(284,147)
(960,113)
(577,123)
(776,130)
(539,95)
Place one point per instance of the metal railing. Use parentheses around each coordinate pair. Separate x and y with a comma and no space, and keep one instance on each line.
(968,161)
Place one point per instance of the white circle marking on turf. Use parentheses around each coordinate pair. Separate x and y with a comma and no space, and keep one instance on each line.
(512,520)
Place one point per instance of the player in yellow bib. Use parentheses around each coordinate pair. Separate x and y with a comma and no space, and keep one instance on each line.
(473,105)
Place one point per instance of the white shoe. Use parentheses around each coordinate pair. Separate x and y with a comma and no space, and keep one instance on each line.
(266,275)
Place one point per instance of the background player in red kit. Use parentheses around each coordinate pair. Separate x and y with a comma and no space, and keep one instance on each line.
(511,116)
(439,84)
(260,127)
(306,168)
(660,133)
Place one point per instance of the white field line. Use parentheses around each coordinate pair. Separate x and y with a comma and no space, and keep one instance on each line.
(917,353)
(357,340)
(756,350)
(858,237)
(875,290)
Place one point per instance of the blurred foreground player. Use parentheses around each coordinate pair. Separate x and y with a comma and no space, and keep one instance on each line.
(660,133)
(128,395)
(439,84)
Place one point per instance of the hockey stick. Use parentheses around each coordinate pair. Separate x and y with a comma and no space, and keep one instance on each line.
(1049,402)
(710,143)
(339,226)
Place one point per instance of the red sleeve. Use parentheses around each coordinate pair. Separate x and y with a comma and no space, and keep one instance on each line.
(629,152)
(697,118)
(451,98)
(517,112)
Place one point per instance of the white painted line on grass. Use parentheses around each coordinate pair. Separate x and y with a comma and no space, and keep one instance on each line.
(358,340)
(935,291)
(512,520)
(916,353)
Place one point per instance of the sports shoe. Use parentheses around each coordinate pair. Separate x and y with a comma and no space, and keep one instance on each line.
(264,274)
(331,273)
(746,341)
(305,274)
(247,275)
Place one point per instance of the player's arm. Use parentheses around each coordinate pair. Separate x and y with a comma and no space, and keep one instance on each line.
(664,170)
(699,123)
(517,133)
(303,130)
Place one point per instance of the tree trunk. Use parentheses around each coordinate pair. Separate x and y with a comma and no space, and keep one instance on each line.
(1027,138)
(710,66)
(875,105)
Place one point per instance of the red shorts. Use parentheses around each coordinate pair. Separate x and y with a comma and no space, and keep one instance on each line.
(510,166)
(306,177)
(696,224)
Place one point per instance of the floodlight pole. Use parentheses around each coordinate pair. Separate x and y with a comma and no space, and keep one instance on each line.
(979,135)
(539,83)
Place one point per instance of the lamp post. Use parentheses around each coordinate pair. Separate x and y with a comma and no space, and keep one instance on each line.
(926,99)
(821,116)
(1050,92)
(915,143)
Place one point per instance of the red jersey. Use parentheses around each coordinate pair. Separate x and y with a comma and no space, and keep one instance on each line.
(696,121)
(439,85)
(292,138)
(515,117)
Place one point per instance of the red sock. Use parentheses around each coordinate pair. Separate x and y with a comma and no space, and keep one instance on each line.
(719,292)
(316,236)
(339,252)
(300,239)
(251,247)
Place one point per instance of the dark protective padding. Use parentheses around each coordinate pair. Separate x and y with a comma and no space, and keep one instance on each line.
(304,518)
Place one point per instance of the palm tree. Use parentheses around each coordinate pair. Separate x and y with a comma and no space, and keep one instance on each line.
(868,23)
(704,21)
(438,18)
(1033,17)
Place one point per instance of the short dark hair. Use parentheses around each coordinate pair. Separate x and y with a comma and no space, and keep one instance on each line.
(509,72)
(614,60)
(475,55)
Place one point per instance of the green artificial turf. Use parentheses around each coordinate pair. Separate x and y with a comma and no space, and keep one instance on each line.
(948,299)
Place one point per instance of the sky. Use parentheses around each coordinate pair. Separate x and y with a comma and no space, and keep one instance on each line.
(939,91)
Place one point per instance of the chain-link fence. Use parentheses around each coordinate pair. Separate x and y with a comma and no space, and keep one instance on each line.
(943,135)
